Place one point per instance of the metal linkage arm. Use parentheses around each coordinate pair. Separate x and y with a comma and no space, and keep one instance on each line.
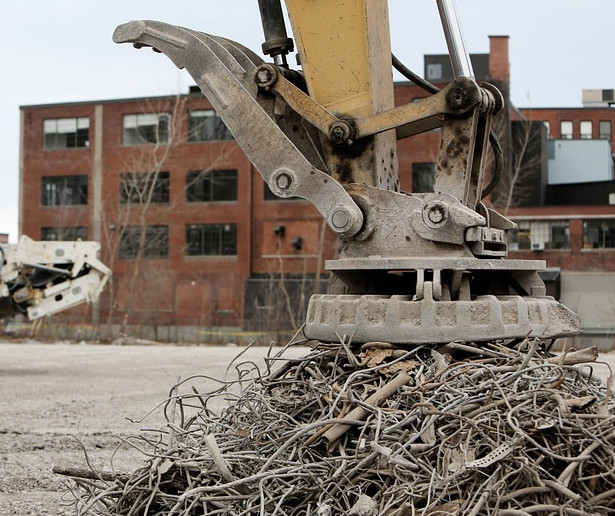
(457,99)
(224,70)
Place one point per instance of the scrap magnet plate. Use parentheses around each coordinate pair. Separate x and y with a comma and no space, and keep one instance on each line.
(401,320)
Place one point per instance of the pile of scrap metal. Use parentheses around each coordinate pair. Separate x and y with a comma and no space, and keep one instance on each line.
(376,430)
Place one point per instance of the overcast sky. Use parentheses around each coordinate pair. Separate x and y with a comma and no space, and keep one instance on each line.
(61,51)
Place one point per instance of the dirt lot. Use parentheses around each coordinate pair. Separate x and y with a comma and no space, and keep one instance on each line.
(55,396)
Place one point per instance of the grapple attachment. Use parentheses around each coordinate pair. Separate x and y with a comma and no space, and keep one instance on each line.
(412,268)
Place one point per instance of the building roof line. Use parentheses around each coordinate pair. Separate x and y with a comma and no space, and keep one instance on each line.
(105,101)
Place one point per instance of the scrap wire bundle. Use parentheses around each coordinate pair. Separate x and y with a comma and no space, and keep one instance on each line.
(506,430)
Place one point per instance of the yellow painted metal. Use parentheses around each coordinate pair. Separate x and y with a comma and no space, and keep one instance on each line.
(345,52)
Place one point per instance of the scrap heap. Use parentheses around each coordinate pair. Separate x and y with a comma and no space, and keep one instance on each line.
(379,430)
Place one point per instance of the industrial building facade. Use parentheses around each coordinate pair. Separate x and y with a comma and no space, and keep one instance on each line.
(196,240)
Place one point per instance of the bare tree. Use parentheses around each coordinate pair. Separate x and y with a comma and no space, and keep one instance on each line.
(523,182)
(281,296)
(136,232)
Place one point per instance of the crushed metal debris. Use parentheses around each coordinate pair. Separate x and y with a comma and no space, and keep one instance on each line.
(462,429)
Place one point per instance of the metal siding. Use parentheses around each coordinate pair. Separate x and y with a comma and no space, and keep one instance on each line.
(580,161)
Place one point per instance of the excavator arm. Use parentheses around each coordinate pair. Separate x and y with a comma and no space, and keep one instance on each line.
(413,267)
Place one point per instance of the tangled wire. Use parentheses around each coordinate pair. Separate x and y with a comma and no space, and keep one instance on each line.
(461,430)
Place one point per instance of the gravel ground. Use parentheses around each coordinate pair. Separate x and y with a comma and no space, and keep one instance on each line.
(57,397)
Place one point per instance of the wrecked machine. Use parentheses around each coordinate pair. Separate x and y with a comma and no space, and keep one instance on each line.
(41,278)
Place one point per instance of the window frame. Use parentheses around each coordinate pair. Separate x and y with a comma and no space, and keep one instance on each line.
(566,135)
(64,233)
(77,138)
(217,185)
(539,235)
(139,135)
(605,234)
(583,132)
(604,135)
(135,186)
(419,172)
(52,198)
(131,233)
(205,125)
(200,247)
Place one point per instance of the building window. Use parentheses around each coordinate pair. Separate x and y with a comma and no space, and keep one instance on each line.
(538,235)
(423,177)
(154,243)
(65,190)
(605,130)
(547,125)
(64,233)
(145,128)
(565,130)
(207,126)
(66,133)
(211,239)
(144,188)
(434,71)
(211,185)
(599,234)
(586,129)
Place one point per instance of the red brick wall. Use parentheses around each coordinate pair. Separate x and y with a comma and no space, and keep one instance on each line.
(557,115)
(221,278)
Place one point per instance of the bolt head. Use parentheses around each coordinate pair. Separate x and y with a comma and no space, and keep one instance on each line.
(283,181)
(436,213)
(458,98)
(339,133)
(266,75)
(340,219)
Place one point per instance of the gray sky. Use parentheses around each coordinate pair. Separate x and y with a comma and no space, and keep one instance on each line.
(61,51)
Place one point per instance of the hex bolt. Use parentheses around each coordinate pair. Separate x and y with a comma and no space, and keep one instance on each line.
(339,133)
(266,75)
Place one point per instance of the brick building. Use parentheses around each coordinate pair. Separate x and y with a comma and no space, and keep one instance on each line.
(196,241)
(574,228)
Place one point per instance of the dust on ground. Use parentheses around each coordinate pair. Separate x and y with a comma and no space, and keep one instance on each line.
(58,399)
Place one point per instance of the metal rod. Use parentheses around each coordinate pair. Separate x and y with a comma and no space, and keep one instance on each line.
(460,60)
(277,43)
